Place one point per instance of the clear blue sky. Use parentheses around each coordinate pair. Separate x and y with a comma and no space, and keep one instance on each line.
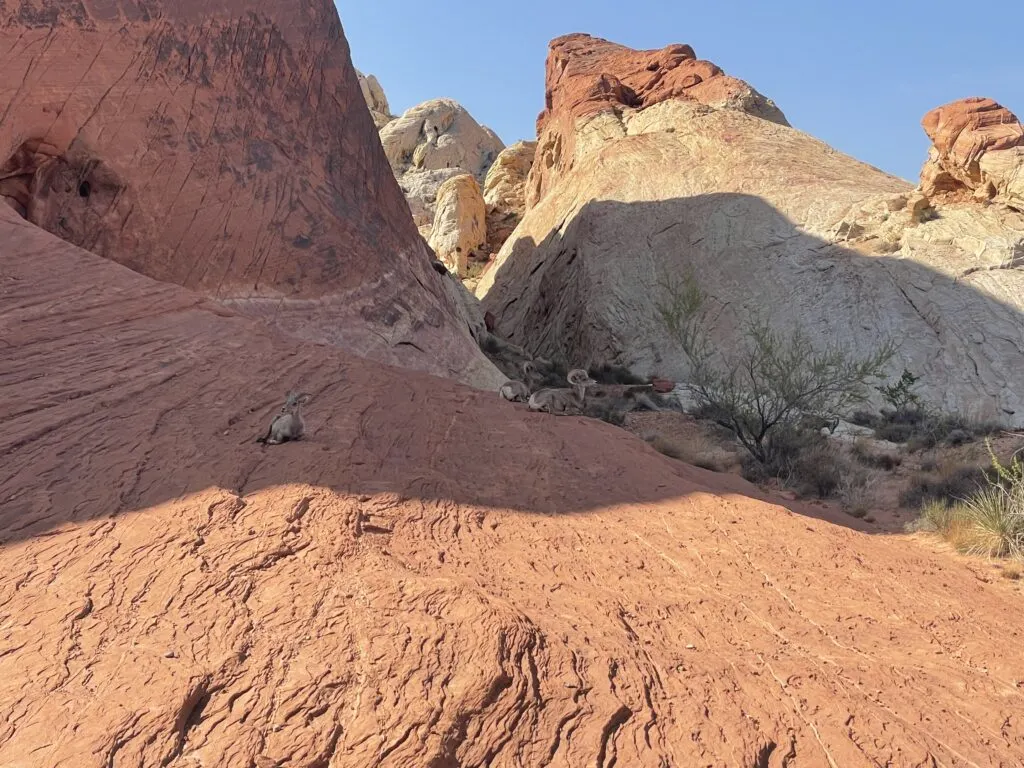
(859,75)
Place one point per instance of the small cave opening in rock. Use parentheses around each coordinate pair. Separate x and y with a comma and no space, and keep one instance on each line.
(84,189)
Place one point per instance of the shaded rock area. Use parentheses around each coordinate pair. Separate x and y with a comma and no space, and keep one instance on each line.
(505,192)
(429,577)
(226,149)
(770,222)
(375,99)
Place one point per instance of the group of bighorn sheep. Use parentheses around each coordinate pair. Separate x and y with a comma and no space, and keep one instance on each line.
(563,401)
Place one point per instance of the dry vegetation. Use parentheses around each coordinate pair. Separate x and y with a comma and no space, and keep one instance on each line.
(988,521)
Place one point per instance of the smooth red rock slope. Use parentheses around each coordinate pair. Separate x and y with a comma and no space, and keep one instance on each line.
(224,146)
(432,578)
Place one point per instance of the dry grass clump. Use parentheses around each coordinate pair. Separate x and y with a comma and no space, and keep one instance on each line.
(864,453)
(988,522)
(947,483)
(698,452)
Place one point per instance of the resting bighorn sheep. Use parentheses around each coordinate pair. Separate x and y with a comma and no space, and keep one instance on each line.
(288,424)
(516,391)
(563,401)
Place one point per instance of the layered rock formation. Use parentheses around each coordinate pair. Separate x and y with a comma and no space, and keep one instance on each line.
(459,231)
(375,99)
(227,149)
(639,181)
(977,149)
(391,592)
(431,143)
(587,75)
(505,192)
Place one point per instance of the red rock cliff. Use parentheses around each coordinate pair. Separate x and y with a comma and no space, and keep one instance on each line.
(586,75)
(224,146)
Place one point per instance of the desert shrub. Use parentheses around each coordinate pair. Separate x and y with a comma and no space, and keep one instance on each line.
(698,453)
(774,393)
(921,428)
(948,484)
(490,345)
(900,395)
(862,452)
(614,374)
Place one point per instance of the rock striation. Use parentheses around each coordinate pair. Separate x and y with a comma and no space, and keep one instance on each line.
(505,192)
(227,149)
(627,196)
(390,592)
(977,151)
(431,143)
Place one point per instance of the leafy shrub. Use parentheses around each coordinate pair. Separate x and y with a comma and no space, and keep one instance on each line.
(901,395)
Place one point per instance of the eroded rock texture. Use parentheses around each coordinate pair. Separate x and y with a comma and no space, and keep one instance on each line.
(586,75)
(459,231)
(225,147)
(431,143)
(770,221)
(977,149)
(505,192)
(432,577)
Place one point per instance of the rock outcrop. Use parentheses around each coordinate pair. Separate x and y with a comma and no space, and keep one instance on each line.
(629,196)
(587,75)
(459,231)
(431,143)
(505,192)
(977,151)
(431,577)
(228,150)
(375,99)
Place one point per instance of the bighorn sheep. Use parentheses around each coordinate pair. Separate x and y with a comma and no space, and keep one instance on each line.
(563,401)
(516,391)
(288,424)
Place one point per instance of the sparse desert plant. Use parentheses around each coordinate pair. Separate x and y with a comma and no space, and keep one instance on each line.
(949,483)
(866,455)
(988,522)
(697,452)
(900,395)
(857,492)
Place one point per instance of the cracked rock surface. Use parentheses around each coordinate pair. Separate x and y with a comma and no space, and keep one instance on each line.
(432,576)
(225,147)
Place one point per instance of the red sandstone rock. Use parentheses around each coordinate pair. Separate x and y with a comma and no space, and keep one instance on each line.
(963,133)
(585,75)
(225,147)
(431,576)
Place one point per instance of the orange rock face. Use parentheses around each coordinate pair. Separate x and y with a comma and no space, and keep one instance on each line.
(431,576)
(586,75)
(962,133)
(226,148)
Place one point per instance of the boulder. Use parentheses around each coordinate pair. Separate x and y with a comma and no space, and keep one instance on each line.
(977,149)
(229,152)
(433,142)
(459,231)
(770,222)
(373,93)
(505,191)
